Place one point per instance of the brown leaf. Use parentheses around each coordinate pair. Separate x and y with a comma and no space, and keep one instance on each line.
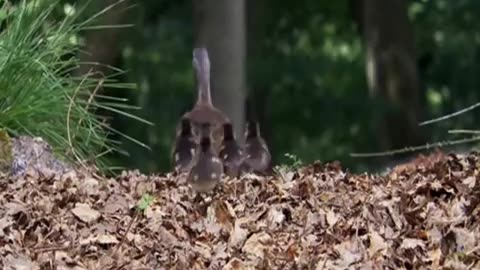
(19,262)
(237,264)
(377,243)
(238,235)
(257,244)
(107,239)
(412,243)
(332,218)
(85,213)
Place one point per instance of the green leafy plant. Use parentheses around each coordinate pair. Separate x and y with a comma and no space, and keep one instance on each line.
(287,170)
(5,151)
(39,96)
(145,202)
(295,161)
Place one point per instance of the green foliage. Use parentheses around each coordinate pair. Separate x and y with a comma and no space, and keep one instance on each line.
(39,95)
(145,202)
(295,162)
(5,151)
(288,167)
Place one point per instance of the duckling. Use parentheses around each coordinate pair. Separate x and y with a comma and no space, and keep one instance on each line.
(204,111)
(207,168)
(230,152)
(184,148)
(257,155)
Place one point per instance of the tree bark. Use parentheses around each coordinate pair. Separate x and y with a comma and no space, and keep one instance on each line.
(392,72)
(220,27)
(102,46)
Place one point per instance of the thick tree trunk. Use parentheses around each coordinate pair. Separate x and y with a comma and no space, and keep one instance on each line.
(392,72)
(220,27)
(102,46)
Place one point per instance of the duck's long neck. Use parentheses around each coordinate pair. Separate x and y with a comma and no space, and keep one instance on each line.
(204,96)
(201,63)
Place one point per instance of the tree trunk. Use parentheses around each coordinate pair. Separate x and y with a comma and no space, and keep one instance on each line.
(220,27)
(392,72)
(102,46)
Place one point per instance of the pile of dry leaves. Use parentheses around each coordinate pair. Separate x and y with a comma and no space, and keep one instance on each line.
(421,216)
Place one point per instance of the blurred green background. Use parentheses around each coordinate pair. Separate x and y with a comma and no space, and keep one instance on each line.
(325,78)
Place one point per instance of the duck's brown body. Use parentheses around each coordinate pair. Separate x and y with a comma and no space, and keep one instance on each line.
(231,153)
(204,111)
(207,168)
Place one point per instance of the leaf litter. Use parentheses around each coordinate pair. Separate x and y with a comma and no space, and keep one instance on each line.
(420,215)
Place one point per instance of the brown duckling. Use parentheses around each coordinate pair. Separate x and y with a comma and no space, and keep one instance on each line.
(204,111)
(184,148)
(207,168)
(231,153)
(257,155)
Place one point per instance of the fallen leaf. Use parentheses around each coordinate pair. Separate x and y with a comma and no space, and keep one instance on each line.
(257,244)
(237,264)
(238,235)
(85,213)
(332,218)
(19,262)
(412,243)
(107,239)
(377,243)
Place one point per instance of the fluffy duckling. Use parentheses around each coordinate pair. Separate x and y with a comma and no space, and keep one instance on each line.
(207,168)
(230,152)
(184,148)
(257,155)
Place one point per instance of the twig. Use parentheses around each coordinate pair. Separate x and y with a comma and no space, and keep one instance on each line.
(69,136)
(92,96)
(475,249)
(431,121)
(125,235)
(416,148)
(52,248)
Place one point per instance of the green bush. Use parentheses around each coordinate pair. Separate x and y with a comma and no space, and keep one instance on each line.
(40,96)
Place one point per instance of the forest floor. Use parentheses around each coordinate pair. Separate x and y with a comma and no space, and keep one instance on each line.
(421,215)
